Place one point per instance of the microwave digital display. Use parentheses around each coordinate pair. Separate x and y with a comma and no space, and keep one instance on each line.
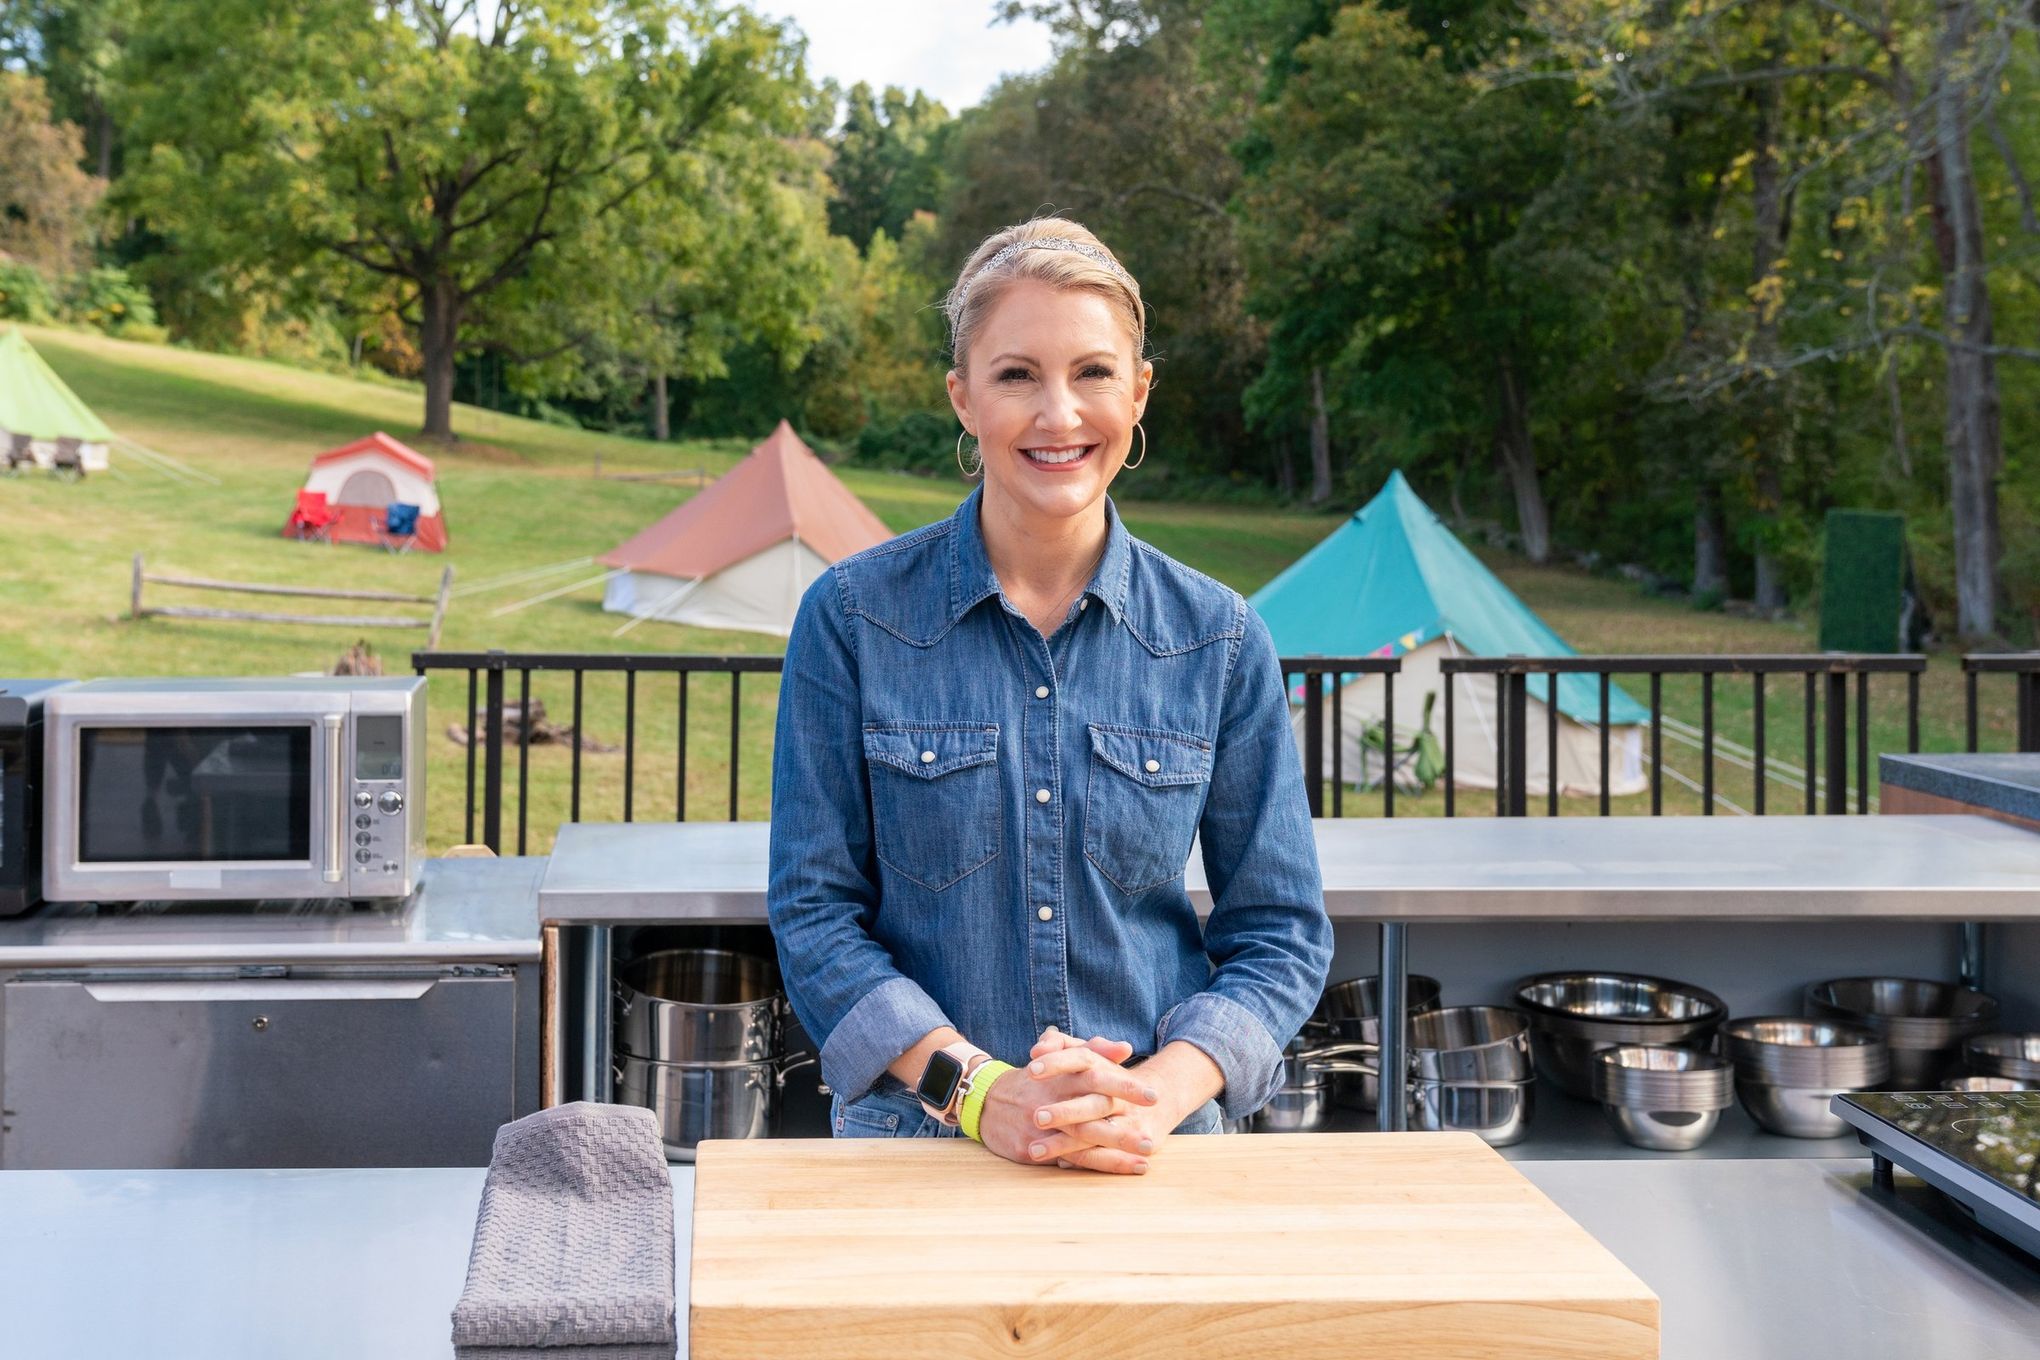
(171,794)
(378,747)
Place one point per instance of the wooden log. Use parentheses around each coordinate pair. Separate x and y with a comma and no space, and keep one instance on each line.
(135,590)
(250,588)
(173,611)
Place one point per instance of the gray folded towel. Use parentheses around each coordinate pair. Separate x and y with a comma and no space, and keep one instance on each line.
(574,1241)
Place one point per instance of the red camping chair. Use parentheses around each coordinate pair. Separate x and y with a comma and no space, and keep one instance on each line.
(312,520)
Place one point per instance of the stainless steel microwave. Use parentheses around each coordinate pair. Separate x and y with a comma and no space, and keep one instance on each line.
(242,788)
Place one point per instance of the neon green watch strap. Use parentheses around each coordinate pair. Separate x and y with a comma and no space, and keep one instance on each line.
(973,1107)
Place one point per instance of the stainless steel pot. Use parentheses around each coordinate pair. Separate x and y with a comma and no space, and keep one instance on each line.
(1574,1016)
(1350,1012)
(700,1006)
(693,1102)
(1923,1022)
(1304,1102)
(1499,1111)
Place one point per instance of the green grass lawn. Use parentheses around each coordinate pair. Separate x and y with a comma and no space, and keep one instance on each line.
(519,493)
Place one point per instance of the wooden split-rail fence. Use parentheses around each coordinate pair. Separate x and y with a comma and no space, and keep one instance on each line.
(179,611)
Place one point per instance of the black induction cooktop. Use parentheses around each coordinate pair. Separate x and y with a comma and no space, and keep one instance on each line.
(1982,1149)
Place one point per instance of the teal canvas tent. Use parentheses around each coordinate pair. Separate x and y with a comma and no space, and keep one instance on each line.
(1392,580)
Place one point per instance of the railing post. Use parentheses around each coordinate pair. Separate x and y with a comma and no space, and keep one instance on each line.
(1451,679)
(2029,717)
(492,756)
(1519,745)
(1314,742)
(1837,742)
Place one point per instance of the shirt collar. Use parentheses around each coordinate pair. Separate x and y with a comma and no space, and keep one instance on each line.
(972,580)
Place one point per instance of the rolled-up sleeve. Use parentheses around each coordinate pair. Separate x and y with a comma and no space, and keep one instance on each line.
(822,890)
(1268,937)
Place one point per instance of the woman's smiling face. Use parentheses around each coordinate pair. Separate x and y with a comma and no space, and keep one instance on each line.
(1052,389)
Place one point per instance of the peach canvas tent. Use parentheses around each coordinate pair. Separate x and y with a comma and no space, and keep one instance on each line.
(740,554)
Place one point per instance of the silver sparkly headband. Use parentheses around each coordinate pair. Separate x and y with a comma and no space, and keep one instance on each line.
(1069,243)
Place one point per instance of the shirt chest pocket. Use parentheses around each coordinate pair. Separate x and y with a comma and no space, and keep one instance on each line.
(934,798)
(1142,804)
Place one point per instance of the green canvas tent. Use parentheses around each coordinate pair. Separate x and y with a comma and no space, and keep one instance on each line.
(39,410)
(1394,581)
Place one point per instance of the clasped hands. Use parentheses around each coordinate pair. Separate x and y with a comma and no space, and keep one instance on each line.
(1074,1105)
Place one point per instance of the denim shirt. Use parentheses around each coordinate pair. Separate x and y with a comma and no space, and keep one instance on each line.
(977,827)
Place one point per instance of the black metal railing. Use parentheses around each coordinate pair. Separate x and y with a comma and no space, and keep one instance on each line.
(2024,668)
(1834,723)
(1312,672)
(1824,677)
(486,676)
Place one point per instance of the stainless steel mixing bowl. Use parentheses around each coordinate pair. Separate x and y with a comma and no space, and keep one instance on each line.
(1924,1022)
(1573,1016)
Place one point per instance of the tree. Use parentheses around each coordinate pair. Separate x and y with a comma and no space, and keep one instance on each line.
(46,201)
(887,162)
(1884,93)
(472,155)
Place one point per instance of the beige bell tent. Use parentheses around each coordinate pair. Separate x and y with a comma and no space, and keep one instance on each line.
(1394,581)
(740,554)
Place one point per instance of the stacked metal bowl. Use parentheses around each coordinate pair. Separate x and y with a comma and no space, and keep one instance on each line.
(2013,1056)
(1669,1099)
(1787,1070)
(1574,1016)
(1923,1022)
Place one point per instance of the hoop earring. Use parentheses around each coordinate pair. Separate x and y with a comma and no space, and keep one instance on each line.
(967,471)
(1143,449)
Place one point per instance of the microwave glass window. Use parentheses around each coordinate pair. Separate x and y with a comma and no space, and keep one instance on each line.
(171,794)
(378,747)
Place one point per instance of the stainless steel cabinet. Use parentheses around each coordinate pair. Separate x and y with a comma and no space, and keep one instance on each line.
(262,1066)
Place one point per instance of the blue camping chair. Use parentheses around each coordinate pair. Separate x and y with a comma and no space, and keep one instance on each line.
(400,527)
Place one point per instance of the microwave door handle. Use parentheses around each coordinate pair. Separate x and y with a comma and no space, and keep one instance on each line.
(336,801)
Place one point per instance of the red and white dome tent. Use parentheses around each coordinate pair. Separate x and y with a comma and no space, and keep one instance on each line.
(362,480)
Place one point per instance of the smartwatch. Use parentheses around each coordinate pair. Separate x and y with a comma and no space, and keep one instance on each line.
(946,1080)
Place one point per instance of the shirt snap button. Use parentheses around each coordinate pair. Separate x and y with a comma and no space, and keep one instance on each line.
(927,757)
(1046,913)
(1152,765)
(1041,795)
(1084,603)
(1041,691)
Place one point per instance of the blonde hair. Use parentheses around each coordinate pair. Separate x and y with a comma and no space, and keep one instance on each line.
(1053,250)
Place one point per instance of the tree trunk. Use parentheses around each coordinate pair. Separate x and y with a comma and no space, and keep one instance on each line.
(1320,441)
(102,135)
(1514,451)
(1710,546)
(1285,468)
(1975,445)
(438,339)
(662,416)
(1767,194)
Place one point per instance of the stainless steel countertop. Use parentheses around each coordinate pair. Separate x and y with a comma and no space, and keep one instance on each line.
(1443,870)
(465,911)
(1787,1259)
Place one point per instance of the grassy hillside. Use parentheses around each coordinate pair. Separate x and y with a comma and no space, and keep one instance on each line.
(519,494)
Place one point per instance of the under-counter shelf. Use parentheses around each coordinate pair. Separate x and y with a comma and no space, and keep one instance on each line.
(1567,1130)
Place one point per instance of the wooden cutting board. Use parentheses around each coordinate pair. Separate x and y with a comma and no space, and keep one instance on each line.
(1272,1245)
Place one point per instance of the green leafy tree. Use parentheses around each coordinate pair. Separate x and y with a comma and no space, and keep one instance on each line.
(472,156)
(887,162)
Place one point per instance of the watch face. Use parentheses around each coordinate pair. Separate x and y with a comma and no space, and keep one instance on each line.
(939,1080)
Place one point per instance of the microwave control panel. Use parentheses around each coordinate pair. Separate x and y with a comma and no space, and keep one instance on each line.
(378,829)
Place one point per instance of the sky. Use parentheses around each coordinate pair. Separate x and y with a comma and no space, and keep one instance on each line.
(949,48)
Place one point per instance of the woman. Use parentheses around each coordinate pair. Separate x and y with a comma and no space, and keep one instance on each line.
(997,737)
